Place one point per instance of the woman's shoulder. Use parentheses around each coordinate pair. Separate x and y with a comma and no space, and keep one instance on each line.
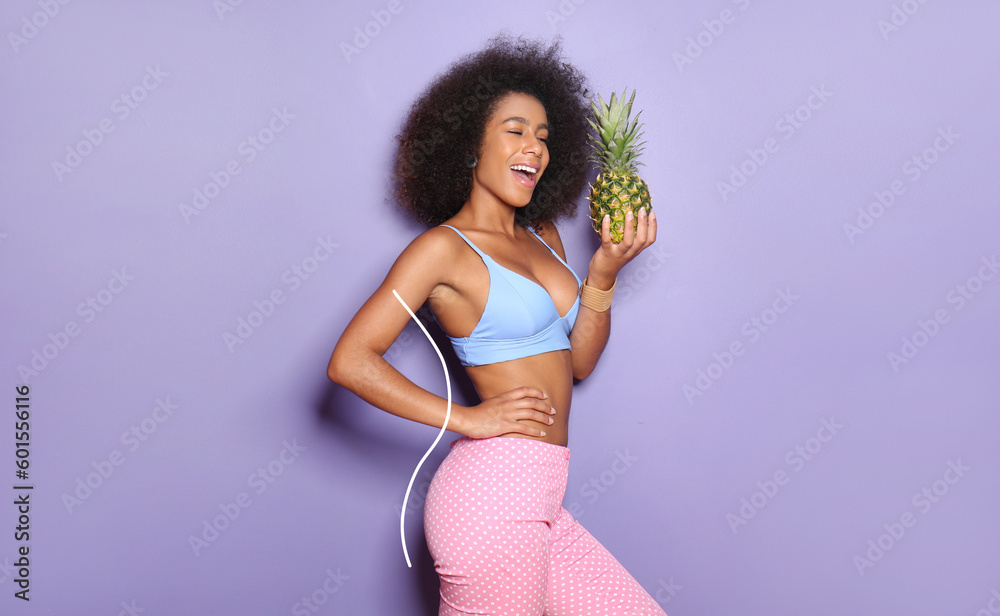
(435,246)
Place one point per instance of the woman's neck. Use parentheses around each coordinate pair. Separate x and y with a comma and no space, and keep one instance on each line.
(487,213)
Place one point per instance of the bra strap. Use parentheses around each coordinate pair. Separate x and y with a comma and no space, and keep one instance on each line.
(467,240)
(549,247)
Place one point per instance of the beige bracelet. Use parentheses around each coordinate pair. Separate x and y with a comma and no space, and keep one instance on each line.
(597,300)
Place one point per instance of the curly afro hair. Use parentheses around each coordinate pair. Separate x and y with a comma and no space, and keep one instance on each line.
(445,127)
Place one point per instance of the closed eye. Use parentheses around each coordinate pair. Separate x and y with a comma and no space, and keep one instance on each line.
(517,132)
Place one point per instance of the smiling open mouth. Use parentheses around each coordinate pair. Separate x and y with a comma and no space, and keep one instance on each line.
(525,174)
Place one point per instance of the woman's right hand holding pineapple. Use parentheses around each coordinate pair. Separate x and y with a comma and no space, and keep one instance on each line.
(611,257)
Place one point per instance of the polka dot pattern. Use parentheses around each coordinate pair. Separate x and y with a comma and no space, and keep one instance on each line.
(504,545)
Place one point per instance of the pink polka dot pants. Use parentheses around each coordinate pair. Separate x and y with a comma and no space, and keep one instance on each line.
(503,544)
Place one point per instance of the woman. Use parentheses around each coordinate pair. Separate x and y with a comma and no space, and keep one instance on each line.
(495,150)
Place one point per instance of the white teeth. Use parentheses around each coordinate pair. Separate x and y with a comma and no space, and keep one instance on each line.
(524,168)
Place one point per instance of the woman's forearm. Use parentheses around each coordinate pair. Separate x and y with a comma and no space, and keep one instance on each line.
(591,331)
(374,380)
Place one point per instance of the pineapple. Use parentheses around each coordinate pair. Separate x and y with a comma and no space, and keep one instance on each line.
(618,188)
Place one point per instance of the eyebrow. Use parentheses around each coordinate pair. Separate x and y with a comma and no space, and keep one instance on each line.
(525,122)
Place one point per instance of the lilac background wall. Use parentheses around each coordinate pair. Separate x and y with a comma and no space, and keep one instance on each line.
(670,434)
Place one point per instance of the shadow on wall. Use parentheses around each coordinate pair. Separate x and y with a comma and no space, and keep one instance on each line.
(425,578)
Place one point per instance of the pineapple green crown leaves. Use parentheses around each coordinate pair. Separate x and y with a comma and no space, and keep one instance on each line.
(616,144)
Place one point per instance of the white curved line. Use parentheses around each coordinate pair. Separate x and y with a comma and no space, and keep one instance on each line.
(447,416)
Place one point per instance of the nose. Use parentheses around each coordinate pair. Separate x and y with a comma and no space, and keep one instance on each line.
(533,145)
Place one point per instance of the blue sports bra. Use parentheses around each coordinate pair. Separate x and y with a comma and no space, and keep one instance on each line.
(519,320)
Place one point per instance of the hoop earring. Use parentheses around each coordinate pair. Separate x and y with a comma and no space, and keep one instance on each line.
(471,161)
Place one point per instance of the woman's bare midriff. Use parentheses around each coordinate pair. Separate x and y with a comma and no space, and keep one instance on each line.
(550,372)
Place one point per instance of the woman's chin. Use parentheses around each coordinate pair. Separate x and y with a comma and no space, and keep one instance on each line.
(520,201)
